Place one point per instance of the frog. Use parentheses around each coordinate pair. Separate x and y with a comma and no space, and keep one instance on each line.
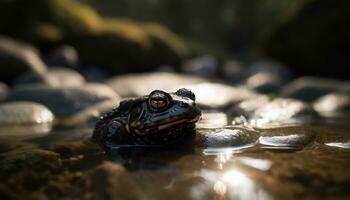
(157,119)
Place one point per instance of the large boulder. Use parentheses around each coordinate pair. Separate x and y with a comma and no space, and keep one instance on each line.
(17,58)
(115,44)
(315,40)
(46,21)
(126,45)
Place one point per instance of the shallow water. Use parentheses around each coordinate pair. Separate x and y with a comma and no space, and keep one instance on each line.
(311,162)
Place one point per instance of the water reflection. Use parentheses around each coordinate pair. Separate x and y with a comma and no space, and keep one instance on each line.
(226,151)
(230,180)
(229,184)
(260,164)
(345,145)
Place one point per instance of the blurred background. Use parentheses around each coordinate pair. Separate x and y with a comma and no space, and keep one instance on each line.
(310,37)
(259,64)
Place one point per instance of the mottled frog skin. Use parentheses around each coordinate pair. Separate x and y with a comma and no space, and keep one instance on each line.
(157,119)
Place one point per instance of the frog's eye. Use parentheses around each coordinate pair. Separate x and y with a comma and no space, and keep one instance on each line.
(159,100)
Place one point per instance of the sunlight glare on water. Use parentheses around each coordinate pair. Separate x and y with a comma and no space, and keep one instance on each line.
(230,184)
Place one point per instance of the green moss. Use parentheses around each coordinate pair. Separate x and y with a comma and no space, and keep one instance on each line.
(127,29)
(73,16)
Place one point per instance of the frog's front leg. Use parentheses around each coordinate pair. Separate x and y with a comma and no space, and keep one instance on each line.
(115,133)
(110,133)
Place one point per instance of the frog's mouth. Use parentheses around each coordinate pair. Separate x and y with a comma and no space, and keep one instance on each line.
(141,130)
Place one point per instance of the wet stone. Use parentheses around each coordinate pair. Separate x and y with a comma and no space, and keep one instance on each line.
(334,104)
(264,83)
(264,113)
(64,102)
(17,58)
(227,137)
(217,95)
(270,67)
(204,66)
(3,91)
(311,88)
(141,84)
(293,137)
(232,71)
(89,116)
(94,74)
(54,77)
(24,119)
(63,56)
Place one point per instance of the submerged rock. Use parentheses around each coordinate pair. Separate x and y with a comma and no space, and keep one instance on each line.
(9,144)
(17,58)
(263,112)
(311,88)
(75,148)
(333,104)
(55,77)
(64,102)
(111,181)
(28,169)
(24,119)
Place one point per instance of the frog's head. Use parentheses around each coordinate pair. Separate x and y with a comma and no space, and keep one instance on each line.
(162,117)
